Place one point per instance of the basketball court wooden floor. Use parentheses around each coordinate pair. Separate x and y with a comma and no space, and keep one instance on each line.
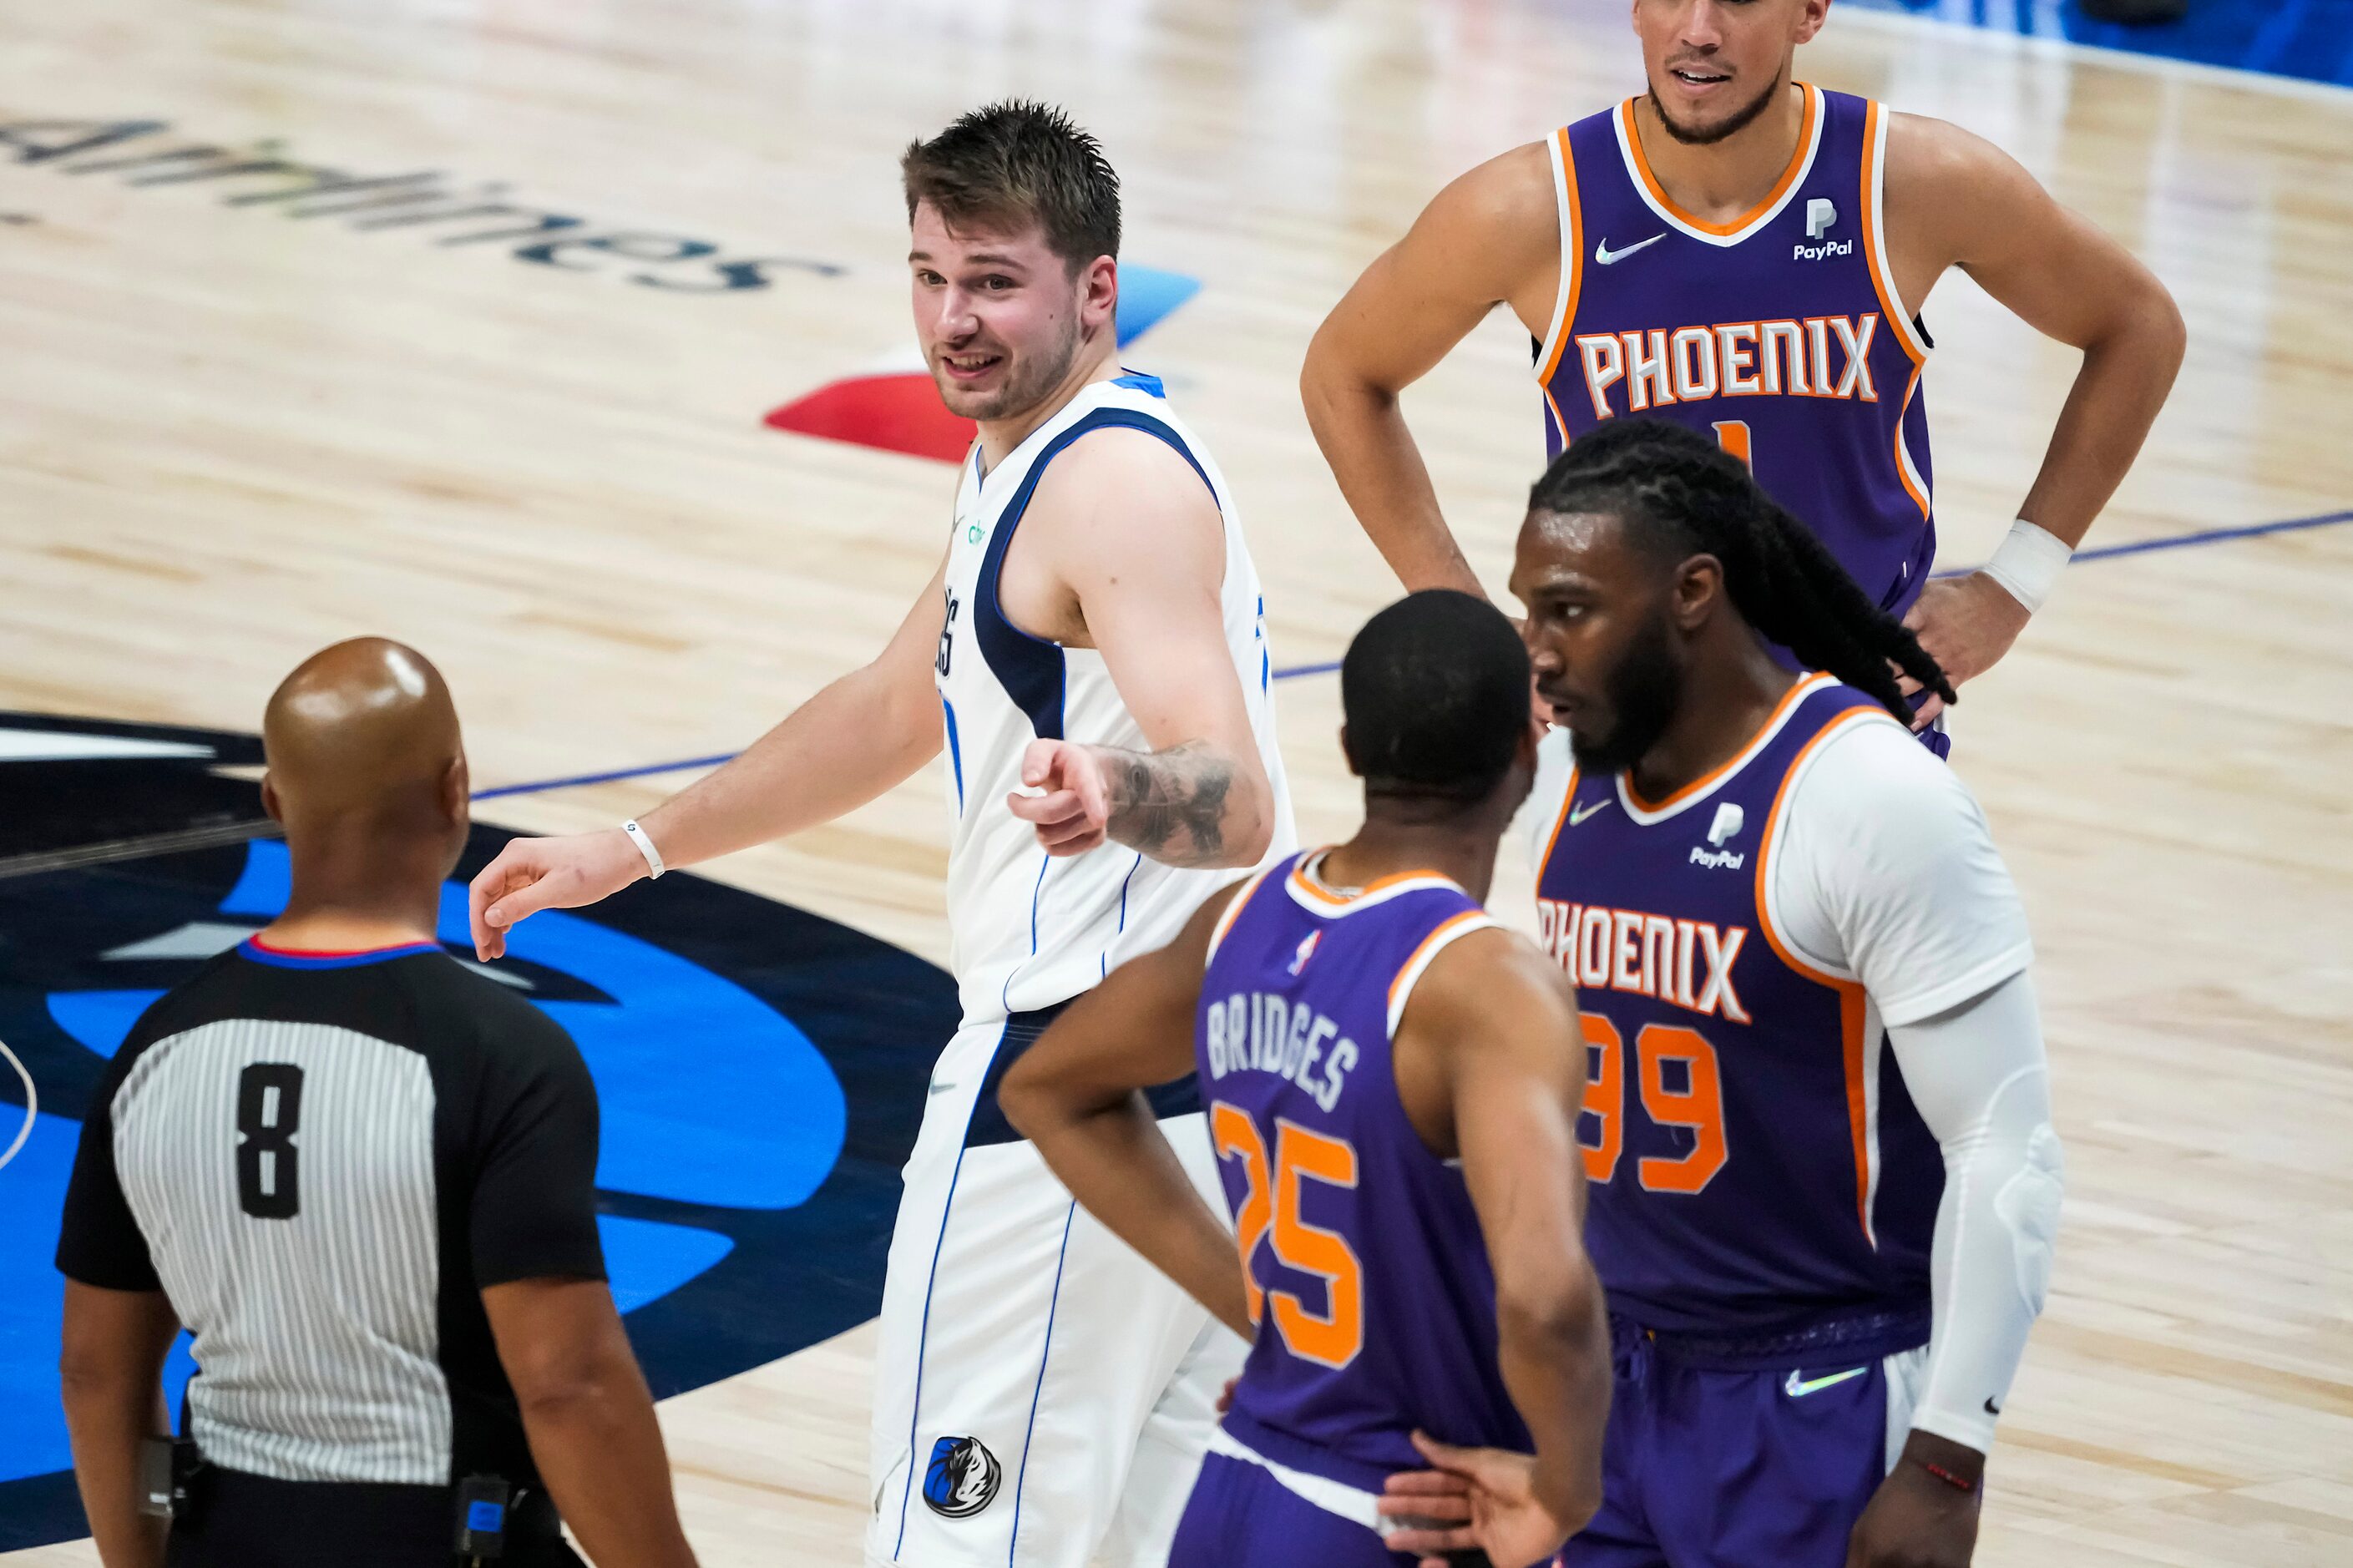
(228,436)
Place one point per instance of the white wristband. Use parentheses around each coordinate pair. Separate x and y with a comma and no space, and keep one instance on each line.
(2029,563)
(644,841)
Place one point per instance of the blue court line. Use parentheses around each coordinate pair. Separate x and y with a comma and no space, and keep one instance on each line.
(604,778)
(1294,672)
(2183,541)
(2210,536)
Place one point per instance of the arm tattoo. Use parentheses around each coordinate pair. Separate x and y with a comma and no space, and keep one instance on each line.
(1171,805)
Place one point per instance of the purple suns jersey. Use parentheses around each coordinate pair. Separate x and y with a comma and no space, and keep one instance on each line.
(1756,1167)
(1366,1272)
(1780,334)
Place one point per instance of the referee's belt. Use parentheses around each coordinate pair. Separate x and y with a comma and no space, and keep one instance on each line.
(210,1493)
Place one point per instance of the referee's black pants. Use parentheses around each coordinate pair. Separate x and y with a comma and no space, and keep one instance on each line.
(241,1521)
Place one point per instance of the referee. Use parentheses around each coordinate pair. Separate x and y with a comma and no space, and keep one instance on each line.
(363,1178)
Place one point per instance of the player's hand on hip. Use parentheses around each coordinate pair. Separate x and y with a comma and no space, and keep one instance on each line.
(1966,624)
(1472,1498)
(1915,1519)
(1073,814)
(535,874)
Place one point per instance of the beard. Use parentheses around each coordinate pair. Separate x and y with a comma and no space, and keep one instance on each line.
(1029,379)
(1739,119)
(1643,692)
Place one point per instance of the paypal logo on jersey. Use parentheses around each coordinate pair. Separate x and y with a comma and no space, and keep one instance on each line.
(1729,819)
(1820,214)
(759,1071)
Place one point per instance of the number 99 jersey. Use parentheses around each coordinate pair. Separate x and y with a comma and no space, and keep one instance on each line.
(1368,1276)
(1755,1165)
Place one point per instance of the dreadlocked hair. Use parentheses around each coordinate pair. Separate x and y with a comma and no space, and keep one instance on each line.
(1685,496)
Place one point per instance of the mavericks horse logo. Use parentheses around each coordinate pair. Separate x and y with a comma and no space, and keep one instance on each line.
(961,1479)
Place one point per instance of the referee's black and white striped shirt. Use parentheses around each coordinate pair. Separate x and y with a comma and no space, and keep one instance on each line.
(322,1160)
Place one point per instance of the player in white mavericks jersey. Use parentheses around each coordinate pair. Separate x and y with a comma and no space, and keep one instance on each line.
(1043,1395)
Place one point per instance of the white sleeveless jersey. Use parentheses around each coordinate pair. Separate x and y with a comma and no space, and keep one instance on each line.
(1027,930)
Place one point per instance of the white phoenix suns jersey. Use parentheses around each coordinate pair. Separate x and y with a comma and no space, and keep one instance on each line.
(1027,930)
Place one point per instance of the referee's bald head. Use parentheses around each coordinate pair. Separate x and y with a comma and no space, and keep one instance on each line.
(363,736)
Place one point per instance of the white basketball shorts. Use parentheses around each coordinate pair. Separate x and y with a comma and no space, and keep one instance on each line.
(1042,1396)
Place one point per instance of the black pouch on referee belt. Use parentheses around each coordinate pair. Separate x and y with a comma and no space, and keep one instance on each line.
(155,1476)
(171,1477)
(482,1517)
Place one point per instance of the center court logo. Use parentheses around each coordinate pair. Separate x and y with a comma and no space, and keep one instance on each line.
(961,1478)
(260,177)
(759,1069)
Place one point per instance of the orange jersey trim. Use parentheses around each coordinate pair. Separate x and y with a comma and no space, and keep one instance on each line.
(1232,913)
(1568,803)
(1559,424)
(1903,458)
(1799,690)
(1772,197)
(1883,281)
(1300,883)
(1572,261)
(1852,999)
(1424,954)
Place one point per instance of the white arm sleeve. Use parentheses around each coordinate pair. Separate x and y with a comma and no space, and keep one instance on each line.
(1979,1076)
(1885,873)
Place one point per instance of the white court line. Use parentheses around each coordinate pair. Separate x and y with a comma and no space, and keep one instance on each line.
(32,1104)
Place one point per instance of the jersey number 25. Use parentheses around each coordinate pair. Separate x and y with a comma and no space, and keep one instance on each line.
(1270,1206)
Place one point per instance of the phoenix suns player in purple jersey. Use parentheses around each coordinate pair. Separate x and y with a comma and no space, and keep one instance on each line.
(1748,254)
(1816,1131)
(1393,1083)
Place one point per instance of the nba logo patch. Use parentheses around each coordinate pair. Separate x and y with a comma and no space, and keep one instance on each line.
(1306,950)
(961,1478)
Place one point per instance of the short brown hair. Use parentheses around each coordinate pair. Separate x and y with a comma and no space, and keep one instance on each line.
(1020,163)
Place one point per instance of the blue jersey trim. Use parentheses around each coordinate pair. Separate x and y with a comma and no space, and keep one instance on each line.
(955,752)
(1124,882)
(252,949)
(987,1125)
(1032,669)
(923,1331)
(1005,991)
(1137,381)
(1265,653)
(1053,1304)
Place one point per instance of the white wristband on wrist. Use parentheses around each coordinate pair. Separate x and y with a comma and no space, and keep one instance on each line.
(2029,563)
(644,841)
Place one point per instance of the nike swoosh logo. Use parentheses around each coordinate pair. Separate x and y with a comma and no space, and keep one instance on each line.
(938,1088)
(1608,258)
(1798,1387)
(1576,815)
(1991,1409)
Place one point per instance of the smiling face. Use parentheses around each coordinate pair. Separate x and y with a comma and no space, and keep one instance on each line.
(1605,630)
(1000,316)
(1715,65)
